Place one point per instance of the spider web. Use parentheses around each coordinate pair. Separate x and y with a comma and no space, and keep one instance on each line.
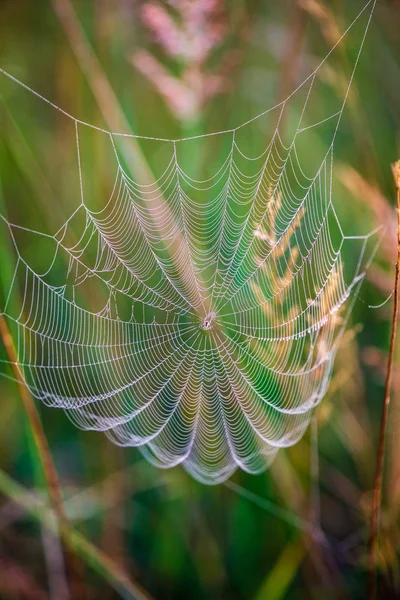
(224,298)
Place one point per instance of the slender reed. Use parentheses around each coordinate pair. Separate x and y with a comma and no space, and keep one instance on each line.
(49,470)
(377,496)
(102,564)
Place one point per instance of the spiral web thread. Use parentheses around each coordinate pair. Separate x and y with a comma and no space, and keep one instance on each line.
(225,301)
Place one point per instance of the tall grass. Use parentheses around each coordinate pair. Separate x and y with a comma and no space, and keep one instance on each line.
(126,521)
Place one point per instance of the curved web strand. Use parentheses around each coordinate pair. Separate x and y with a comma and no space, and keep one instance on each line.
(220,301)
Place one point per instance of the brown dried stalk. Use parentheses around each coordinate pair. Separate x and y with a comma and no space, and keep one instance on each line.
(49,471)
(377,497)
(107,568)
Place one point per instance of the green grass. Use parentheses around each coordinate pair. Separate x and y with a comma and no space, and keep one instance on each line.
(130,524)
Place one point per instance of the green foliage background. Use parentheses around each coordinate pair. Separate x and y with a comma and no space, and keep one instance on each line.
(176,538)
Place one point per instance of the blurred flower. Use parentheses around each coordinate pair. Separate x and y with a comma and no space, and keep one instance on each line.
(189,32)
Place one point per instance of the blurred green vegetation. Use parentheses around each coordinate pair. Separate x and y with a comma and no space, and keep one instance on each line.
(175,537)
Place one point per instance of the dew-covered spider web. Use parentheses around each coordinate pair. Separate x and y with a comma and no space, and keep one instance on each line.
(220,300)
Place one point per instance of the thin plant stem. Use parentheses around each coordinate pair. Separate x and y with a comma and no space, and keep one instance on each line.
(377,494)
(102,564)
(49,470)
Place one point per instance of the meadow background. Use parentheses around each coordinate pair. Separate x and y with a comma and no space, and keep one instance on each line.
(215,65)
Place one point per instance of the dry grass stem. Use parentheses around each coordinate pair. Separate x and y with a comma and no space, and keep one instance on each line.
(49,470)
(377,494)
